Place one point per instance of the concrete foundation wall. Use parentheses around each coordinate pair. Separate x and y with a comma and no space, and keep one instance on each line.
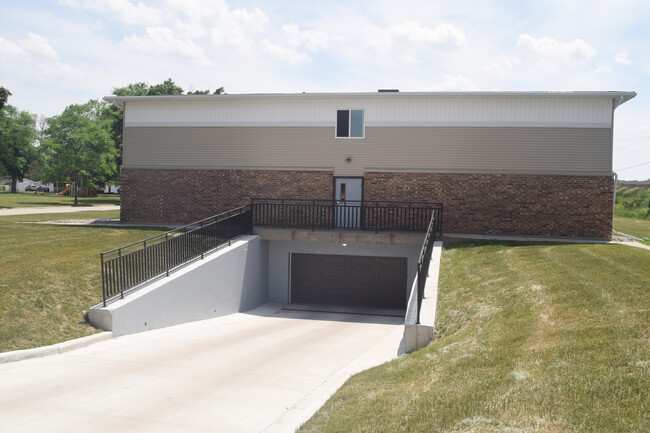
(230,280)
(280,251)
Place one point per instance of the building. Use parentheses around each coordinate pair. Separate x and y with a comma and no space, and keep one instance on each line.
(343,187)
(505,163)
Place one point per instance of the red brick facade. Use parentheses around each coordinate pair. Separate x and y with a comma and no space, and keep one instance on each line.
(506,204)
(184,196)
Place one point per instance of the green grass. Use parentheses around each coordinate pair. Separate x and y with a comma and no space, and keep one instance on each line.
(632,202)
(27,199)
(639,228)
(531,338)
(49,274)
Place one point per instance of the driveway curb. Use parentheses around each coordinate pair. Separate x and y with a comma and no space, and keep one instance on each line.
(55,349)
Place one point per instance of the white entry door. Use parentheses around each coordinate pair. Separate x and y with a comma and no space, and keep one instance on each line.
(348,195)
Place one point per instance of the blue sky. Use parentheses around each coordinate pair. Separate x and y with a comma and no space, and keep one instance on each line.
(56,53)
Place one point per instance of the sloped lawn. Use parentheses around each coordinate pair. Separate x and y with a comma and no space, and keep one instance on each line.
(50,274)
(29,199)
(639,228)
(532,338)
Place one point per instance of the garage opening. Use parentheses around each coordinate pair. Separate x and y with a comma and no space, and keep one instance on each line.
(350,281)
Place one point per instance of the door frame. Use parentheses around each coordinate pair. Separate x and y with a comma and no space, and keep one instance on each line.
(347,216)
(346,177)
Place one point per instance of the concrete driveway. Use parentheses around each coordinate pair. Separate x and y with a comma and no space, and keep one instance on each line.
(266,370)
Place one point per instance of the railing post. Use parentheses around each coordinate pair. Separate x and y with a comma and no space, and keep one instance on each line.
(103,279)
(122,282)
(166,251)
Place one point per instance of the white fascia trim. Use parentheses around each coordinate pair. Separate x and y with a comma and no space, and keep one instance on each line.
(323,124)
(619,97)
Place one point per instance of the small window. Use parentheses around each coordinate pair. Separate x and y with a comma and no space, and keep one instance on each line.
(349,124)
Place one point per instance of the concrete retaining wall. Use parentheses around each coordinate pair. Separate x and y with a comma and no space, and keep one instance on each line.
(229,280)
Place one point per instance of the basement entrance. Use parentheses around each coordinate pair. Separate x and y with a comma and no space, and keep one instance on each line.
(350,281)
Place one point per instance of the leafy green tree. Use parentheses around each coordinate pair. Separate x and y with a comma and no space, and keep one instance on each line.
(218,91)
(79,145)
(4,95)
(168,87)
(133,89)
(17,135)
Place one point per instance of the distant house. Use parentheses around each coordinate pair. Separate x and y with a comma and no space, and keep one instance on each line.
(510,163)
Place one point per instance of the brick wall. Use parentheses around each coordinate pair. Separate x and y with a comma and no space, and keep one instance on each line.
(184,196)
(506,204)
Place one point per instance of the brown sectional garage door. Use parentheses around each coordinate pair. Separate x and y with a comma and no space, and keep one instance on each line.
(359,281)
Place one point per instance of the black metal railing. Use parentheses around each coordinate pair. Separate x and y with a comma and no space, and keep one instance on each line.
(423,262)
(346,214)
(126,267)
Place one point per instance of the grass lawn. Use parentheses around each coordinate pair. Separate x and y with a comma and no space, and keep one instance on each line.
(635,227)
(29,199)
(50,274)
(531,338)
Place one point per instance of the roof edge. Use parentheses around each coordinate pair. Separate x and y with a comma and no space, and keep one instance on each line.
(619,97)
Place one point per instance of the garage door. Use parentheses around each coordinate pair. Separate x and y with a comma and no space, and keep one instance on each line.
(359,281)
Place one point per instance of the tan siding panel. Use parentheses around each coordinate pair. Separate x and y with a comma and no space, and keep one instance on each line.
(453,149)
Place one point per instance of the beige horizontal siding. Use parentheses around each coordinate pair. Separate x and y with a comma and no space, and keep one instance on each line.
(441,149)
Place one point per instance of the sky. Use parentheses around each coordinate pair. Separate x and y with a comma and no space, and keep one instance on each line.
(57,53)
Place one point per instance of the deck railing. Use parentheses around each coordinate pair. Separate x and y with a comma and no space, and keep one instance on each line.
(423,262)
(126,267)
(347,214)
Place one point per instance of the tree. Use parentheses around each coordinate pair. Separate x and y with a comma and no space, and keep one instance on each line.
(166,88)
(17,135)
(4,95)
(133,89)
(218,91)
(79,145)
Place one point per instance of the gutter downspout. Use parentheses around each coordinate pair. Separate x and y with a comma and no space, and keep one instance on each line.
(614,105)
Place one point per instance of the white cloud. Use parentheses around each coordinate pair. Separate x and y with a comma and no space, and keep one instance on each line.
(552,54)
(376,38)
(124,10)
(9,49)
(622,58)
(238,27)
(160,41)
(455,82)
(442,34)
(283,53)
(60,70)
(552,48)
(38,45)
(313,40)
(503,66)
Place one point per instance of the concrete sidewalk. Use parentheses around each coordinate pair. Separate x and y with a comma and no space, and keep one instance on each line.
(266,370)
(56,209)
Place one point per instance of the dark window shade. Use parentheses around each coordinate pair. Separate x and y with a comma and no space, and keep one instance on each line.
(343,123)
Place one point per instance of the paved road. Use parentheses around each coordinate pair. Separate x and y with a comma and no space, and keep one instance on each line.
(261,371)
(55,209)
